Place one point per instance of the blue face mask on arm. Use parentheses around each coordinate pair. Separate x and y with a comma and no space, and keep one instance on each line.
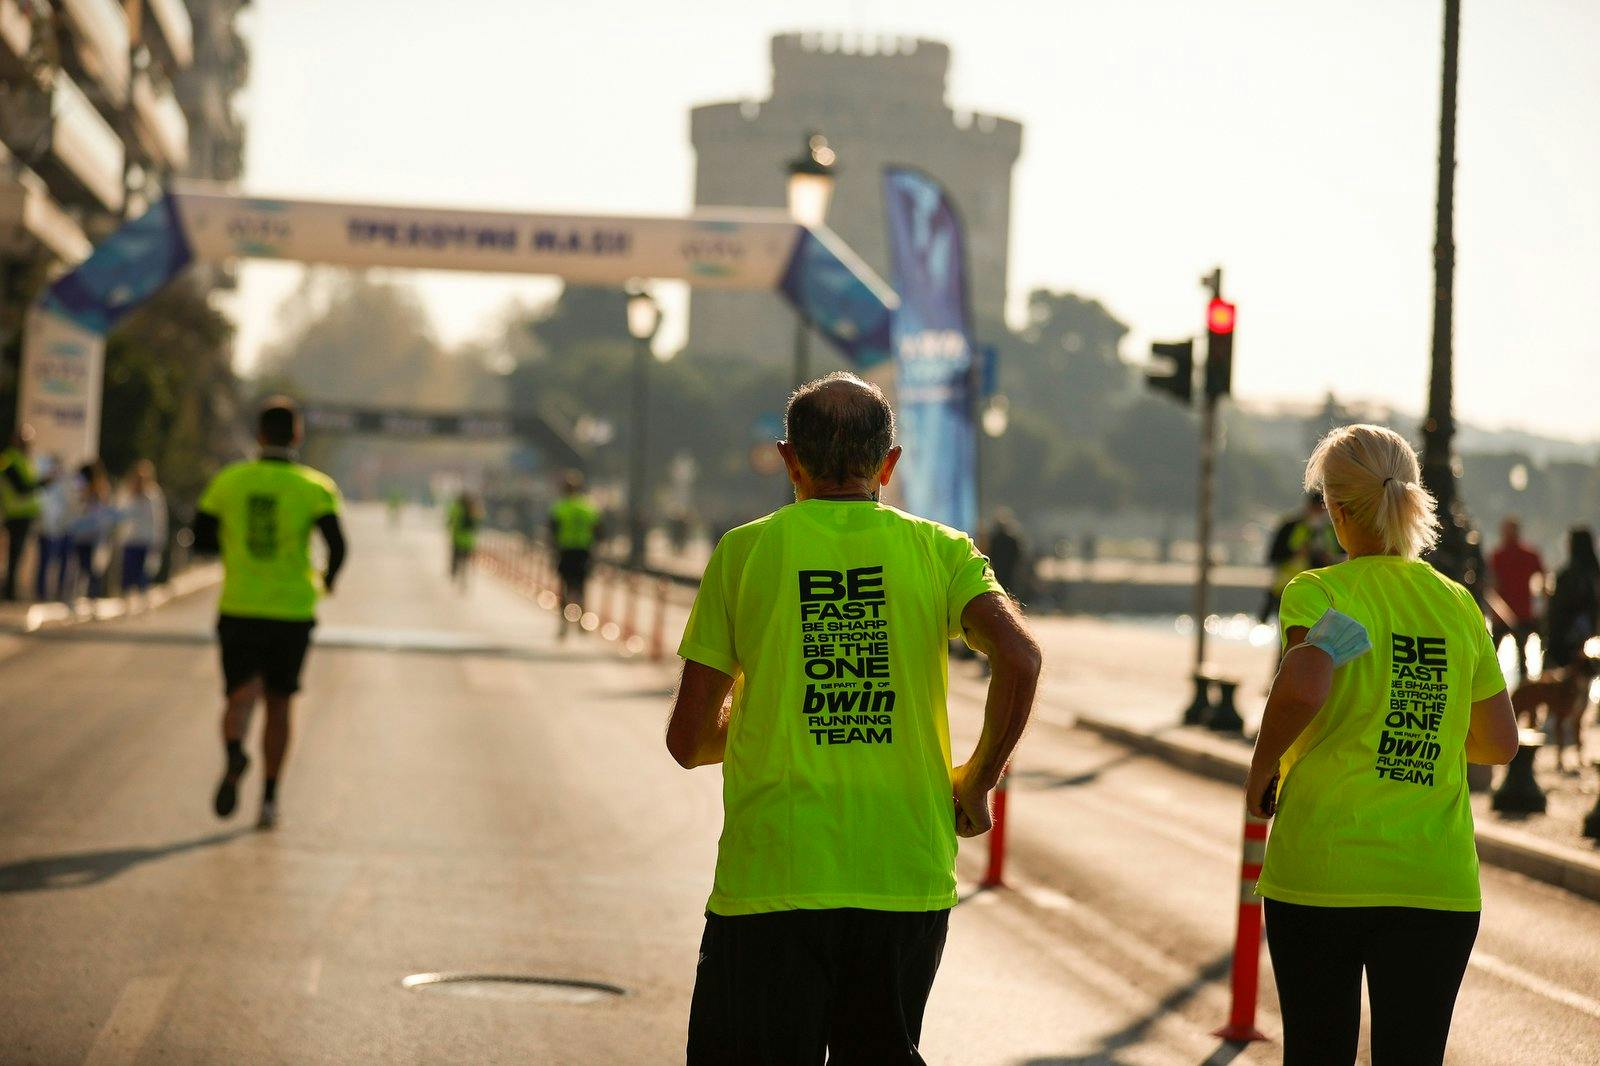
(1341,636)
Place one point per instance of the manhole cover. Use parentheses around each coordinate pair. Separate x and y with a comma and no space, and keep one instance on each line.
(521,987)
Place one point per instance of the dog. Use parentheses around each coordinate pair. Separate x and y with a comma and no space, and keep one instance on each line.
(1562,693)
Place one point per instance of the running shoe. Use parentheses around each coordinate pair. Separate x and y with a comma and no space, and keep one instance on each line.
(228,791)
(269,814)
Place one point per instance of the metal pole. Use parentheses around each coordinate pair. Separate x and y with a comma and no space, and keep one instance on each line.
(1438,431)
(1208,458)
(636,460)
(1202,581)
(1200,710)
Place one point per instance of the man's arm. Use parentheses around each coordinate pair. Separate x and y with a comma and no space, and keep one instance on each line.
(331,531)
(206,529)
(697,732)
(993,626)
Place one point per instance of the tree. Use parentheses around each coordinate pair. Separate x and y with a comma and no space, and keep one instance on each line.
(356,340)
(170,392)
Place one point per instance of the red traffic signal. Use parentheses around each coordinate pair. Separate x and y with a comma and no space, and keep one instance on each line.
(1220,315)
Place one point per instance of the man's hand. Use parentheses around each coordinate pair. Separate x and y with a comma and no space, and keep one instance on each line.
(973,816)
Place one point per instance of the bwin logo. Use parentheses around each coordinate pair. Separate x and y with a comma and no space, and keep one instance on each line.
(713,248)
(933,344)
(258,228)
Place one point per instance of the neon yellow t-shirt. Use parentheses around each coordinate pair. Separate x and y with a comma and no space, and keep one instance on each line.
(576,519)
(463,527)
(834,617)
(14,504)
(1372,801)
(266,509)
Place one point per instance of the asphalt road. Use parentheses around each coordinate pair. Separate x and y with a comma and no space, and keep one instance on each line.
(465,794)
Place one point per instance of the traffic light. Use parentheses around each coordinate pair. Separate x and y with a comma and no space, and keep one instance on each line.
(1220,317)
(1179,355)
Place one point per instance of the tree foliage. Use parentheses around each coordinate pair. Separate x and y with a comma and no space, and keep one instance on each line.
(170,391)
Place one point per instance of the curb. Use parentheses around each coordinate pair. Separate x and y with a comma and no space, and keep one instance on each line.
(60,615)
(1202,754)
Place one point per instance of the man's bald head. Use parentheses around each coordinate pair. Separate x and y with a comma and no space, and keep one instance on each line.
(841,428)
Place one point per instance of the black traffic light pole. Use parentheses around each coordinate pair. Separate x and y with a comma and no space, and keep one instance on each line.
(1200,709)
(1218,383)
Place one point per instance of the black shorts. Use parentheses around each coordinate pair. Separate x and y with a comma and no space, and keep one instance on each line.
(573,566)
(799,986)
(264,648)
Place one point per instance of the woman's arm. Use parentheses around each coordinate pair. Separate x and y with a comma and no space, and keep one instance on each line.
(1298,692)
(1492,735)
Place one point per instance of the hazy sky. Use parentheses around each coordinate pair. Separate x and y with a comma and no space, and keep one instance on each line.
(1293,143)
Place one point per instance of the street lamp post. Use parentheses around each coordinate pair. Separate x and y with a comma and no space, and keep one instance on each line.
(644,317)
(811,182)
(1454,555)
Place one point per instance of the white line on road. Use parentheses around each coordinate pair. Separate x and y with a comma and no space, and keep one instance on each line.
(1532,982)
(133,1018)
(314,976)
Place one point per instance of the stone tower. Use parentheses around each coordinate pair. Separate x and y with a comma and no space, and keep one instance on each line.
(879,102)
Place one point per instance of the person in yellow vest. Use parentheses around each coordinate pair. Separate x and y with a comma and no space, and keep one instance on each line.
(1303,541)
(259,515)
(575,527)
(462,521)
(19,503)
(828,621)
(1388,688)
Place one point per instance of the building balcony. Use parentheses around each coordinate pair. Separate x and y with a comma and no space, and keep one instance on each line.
(174,36)
(159,122)
(83,146)
(30,218)
(103,44)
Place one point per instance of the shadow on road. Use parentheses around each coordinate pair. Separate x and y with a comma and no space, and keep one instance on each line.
(1044,780)
(92,867)
(1137,1030)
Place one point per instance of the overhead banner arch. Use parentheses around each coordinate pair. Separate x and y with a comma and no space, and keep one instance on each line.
(63,358)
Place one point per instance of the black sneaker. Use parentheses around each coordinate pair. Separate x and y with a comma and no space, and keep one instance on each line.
(269,815)
(228,791)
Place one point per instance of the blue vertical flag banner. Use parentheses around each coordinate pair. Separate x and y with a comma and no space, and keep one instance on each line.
(931,337)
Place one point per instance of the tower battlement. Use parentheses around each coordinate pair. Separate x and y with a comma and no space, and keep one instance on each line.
(880,101)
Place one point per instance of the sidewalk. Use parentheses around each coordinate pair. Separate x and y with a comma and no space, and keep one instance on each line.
(1129,681)
(28,616)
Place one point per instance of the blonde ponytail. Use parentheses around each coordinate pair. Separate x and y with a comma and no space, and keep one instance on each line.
(1373,473)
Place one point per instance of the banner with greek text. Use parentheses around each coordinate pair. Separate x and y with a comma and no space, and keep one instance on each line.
(933,353)
(755,249)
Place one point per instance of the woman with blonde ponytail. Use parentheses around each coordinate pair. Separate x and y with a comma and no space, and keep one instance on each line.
(1389,686)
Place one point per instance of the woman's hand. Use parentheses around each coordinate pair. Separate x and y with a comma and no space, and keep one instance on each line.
(1255,789)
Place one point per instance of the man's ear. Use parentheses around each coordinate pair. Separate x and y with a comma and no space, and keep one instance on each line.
(791,461)
(889,462)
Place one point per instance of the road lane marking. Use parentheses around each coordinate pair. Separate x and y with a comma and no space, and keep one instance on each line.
(133,1018)
(1159,826)
(1532,982)
(1168,1027)
(314,976)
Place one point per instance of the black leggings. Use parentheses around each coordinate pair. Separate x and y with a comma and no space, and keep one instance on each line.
(1414,960)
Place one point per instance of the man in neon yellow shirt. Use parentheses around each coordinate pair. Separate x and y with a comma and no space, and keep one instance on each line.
(828,621)
(259,515)
(462,522)
(19,503)
(574,528)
